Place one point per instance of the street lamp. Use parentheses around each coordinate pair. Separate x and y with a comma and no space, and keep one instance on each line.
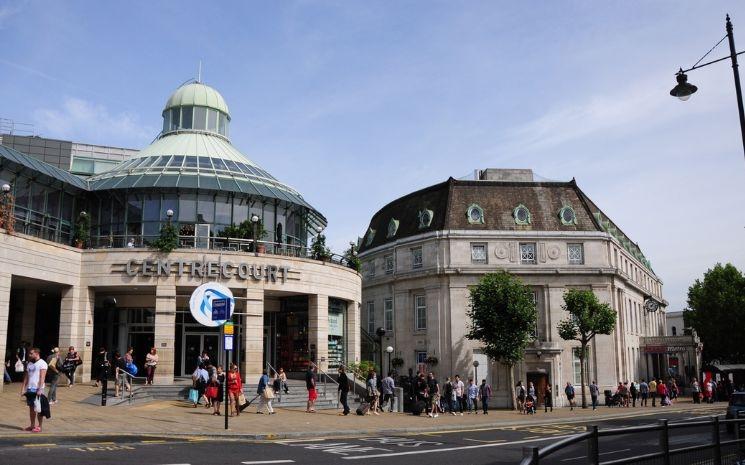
(255,221)
(389,349)
(169,214)
(683,90)
(6,188)
(476,372)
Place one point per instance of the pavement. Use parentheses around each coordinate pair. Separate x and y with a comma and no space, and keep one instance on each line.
(73,417)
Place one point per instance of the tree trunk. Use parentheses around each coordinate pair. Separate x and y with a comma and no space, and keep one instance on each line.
(512,387)
(582,374)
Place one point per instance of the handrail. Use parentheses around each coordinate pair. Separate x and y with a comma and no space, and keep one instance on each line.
(278,394)
(326,375)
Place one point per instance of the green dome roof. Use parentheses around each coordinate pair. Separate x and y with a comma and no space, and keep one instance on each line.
(197,94)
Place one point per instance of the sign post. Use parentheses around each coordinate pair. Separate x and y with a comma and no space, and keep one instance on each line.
(221,312)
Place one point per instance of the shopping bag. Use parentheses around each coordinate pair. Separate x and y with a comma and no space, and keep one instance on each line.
(131,369)
(211,392)
(194,396)
(37,404)
(19,366)
(268,393)
(241,399)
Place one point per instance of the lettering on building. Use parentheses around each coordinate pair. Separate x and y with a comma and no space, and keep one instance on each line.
(207,269)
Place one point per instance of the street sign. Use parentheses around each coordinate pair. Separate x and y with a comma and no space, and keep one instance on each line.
(220,309)
(200,303)
(228,328)
(228,342)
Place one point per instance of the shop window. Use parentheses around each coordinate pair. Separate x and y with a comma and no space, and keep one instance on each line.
(336,333)
(388,314)
(420,313)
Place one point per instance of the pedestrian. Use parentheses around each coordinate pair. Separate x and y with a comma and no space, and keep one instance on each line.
(520,396)
(52,376)
(373,394)
(531,394)
(594,392)
(707,391)
(449,395)
(569,391)
(387,386)
(310,385)
(120,374)
(235,388)
(472,400)
(634,393)
(662,393)
(203,359)
(433,389)
(653,391)
(484,395)
(200,378)
(696,391)
(266,394)
(283,380)
(216,386)
(714,391)
(71,363)
(460,394)
(151,362)
(343,389)
(548,398)
(626,395)
(33,386)
(644,393)
(277,386)
(102,366)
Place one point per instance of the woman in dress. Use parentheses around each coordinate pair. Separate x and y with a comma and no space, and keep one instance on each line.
(372,392)
(218,381)
(235,388)
(151,361)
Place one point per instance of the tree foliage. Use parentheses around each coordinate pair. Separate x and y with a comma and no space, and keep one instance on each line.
(587,317)
(716,311)
(318,249)
(168,240)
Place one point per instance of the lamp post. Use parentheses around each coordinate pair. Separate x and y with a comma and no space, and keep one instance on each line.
(255,222)
(683,90)
(476,372)
(380,332)
(389,350)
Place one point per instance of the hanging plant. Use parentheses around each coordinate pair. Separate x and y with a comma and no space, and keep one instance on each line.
(431,360)
(397,362)
(7,220)
(168,240)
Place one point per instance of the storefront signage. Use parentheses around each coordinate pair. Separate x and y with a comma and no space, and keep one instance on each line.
(220,309)
(208,269)
(200,303)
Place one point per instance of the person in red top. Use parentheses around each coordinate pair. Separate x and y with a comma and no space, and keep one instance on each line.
(235,388)
(662,393)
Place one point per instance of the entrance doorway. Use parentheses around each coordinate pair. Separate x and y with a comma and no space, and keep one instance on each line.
(196,343)
(540,381)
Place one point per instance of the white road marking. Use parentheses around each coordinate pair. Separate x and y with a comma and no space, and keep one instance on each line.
(268,461)
(450,449)
(602,453)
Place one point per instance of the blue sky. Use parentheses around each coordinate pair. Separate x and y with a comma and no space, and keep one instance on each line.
(357,103)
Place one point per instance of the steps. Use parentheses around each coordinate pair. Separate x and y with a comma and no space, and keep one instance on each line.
(297,397)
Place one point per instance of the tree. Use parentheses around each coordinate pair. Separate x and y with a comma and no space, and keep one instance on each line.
(168,241)
(503,318)
(587,317)
(716,307)
(318,249)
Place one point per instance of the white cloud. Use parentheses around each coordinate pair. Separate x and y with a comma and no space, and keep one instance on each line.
(84,121)
(9,10)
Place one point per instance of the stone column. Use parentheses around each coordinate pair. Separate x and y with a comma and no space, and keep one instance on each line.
(28,320)
(4,311)
(253,336)
(352,322)
(318,328)
(164,338)
(76,327)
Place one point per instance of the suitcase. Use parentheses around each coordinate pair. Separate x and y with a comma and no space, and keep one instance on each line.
(419,408)
(363,408)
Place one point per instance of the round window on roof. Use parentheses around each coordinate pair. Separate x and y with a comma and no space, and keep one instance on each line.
(475,214)
(567,216)
(521,214)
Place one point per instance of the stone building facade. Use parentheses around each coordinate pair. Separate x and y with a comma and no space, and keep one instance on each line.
(422,251)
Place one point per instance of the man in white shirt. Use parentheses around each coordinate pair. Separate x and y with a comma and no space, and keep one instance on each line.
(33,386)
(459,389)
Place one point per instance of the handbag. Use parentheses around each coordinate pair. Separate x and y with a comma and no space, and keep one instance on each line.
(241,399)
(19,366)
(211,392)
(194,396)
(268,393)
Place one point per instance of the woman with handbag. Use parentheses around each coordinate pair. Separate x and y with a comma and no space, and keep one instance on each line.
(235,388)
(72,361)
(151,362)
(217,382)
(266,394)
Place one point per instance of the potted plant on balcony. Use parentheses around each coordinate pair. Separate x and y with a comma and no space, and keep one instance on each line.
(318,249)
(168,240)
(82,230)
(350,255)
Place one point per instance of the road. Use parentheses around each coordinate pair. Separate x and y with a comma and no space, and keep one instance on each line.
(477,446)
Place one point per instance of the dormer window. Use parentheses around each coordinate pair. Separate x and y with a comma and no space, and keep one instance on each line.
(567,216)
(475,214)
(425,218)
(521,214)
(392,227)
(370,236)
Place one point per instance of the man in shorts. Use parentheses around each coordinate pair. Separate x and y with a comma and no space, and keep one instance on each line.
(33,386)
(310,384)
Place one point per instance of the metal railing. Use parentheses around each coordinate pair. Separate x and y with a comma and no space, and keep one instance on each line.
(324,375)
(121,385)
(716,451)
(269,369)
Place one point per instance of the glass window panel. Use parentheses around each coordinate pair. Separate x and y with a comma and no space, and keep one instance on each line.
(212,120)
(175,120)
(148,161)
(527,254)
(186,113)
(53,201)
(105,215)
(222,124)
(169,202)
(204,163)
(420,312)
(67,201)
(163,161)
(187,207)
(575,253)
(388,314)
(151,208)
(240,210)
(37,197)
(190,162)
(219,164)
(205,209)
(222,210)
(232,166)
(200,117)
(269,221)
(150,231)
(176,161)
(22,193)
(166,121)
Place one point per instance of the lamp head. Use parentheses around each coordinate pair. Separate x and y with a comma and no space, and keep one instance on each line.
(389,349)
(254,219)
(83,214)
(380,332)
(475,363)
(6,188)
(683,90)
(319,229)
(169,213)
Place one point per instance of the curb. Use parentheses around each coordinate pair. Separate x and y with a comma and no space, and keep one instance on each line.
(356,433)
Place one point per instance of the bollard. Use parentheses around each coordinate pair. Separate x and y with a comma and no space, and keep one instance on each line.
(593,448)
(398,394)
(665,442)
(717,442)
(531,453)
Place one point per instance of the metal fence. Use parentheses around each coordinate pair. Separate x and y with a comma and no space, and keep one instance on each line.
(714,447)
